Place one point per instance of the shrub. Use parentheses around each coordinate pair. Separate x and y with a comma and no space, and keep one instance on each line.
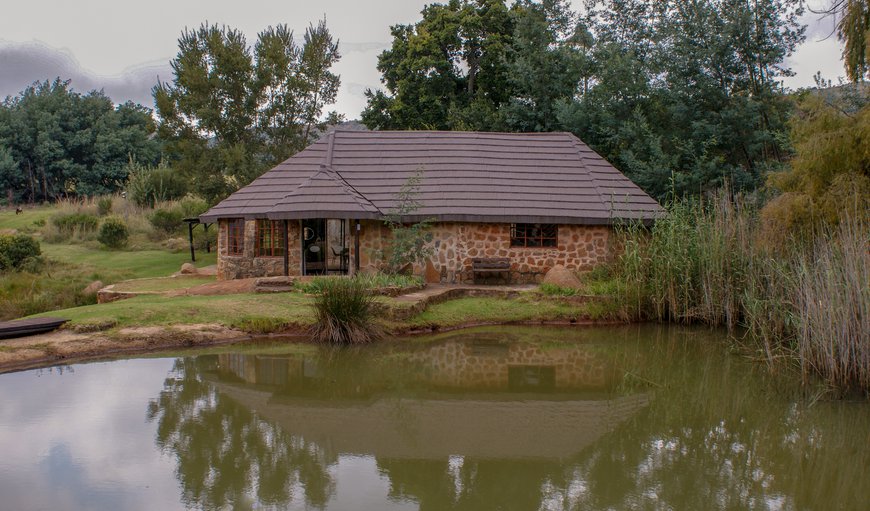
(192,207)
(18,251)
(114,233)
(104,206)
(70,223)
(167,221)
(345,311)
(146,186)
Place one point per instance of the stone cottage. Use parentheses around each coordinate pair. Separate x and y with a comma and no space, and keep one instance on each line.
(530,200)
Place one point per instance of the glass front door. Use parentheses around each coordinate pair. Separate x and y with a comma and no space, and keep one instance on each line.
(324,247)
(314,247)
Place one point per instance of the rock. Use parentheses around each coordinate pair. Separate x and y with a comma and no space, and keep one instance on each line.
(432,275)
(562,277)
(188,269)
(93,287)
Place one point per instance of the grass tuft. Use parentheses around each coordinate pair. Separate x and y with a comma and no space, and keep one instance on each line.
(345,311)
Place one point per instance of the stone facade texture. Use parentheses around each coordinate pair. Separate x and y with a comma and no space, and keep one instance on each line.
(247,265)
(454,244)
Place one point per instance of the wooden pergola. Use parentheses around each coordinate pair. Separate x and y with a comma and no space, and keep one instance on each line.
(191,225)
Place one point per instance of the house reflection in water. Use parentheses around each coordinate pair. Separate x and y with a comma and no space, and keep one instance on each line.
(476,365)
(479,399)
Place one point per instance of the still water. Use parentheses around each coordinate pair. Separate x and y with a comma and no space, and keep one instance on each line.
(639,417)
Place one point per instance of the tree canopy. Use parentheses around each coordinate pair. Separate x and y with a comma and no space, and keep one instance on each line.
(55,142)
(680,95)
(232,111)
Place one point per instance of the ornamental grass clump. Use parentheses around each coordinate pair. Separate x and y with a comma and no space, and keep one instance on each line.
(345,312)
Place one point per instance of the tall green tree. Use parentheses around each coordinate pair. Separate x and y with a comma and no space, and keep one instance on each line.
(545,63)
(232,111)
(680,95)
(686,94)
(448,71)
(55,142)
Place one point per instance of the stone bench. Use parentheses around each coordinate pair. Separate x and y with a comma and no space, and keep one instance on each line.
(491,266)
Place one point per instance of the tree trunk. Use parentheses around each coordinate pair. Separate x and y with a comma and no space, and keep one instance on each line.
(44,184)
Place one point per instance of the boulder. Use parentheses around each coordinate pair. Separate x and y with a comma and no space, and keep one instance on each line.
(188,269)
(93,287)
(432,275)
(562,277)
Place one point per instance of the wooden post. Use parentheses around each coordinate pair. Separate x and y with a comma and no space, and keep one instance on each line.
(286,249)
(190,235)
(356,248)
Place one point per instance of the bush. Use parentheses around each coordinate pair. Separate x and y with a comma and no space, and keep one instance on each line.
(114,233)
(345,311)
(192,207)
(147,186)
(70,223)
(104,206)
(167,221)
(18,251)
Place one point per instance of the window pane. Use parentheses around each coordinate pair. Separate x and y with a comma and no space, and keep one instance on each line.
(534,235)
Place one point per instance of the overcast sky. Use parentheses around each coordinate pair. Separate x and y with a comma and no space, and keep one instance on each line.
(122,46)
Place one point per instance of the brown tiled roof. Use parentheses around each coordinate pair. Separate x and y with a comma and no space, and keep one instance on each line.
(466,176)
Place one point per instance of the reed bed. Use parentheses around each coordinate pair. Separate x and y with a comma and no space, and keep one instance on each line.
(807,300)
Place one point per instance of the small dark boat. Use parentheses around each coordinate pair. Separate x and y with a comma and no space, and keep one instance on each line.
(24,327)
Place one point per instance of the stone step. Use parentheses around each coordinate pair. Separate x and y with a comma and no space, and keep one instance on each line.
(274,282)
(273,289)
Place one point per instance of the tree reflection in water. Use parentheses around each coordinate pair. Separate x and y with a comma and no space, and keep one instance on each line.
(227,457)
(712,431)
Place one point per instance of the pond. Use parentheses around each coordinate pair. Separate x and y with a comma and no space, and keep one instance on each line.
(634,417)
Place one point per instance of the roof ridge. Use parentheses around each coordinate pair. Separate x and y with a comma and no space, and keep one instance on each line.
(342,181)
(574,140)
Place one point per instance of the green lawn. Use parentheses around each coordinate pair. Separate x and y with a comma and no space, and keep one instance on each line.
(25,222)
(117,265)
(71,267)
(496,310)
(228,310)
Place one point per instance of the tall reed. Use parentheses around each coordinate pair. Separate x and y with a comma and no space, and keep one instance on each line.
(832,300)
(690,267)
(709,262)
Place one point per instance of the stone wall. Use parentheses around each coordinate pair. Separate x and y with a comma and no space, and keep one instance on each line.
(246,265)
(455,244)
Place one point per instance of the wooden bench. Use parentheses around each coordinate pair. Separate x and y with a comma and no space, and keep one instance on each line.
(491,266)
